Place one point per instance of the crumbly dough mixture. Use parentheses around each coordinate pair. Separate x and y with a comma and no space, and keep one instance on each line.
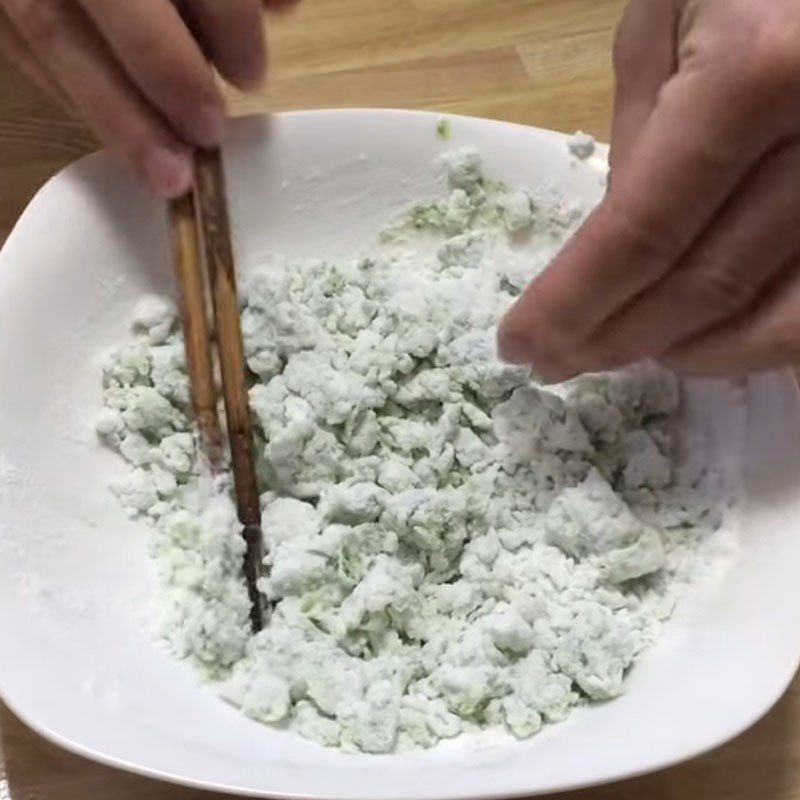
(452,545)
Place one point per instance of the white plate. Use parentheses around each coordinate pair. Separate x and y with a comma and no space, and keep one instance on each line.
(77,663)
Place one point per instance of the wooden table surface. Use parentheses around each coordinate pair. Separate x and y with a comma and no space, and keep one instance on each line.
(543,62)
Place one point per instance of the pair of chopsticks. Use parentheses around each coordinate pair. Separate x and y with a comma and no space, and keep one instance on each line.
(202,255)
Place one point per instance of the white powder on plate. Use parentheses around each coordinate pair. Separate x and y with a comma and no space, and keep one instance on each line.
(452,546)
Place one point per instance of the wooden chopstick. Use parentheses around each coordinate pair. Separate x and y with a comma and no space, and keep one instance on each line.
(189,273)
(211,226)
(213,207)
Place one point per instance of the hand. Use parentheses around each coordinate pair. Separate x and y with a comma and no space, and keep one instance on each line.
(138,71)
(693,257)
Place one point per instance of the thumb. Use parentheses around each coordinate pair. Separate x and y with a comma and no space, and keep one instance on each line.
(645,58)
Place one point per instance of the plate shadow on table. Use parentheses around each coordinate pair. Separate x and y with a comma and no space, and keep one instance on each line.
(763,763)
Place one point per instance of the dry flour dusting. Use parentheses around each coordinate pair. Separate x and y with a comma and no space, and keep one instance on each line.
(452,545)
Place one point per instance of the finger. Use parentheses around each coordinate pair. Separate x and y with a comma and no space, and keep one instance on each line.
(232,35)
(61,36)
(644,60)
(693,151)
(767,338)
(153,44)
(17,51)
(746,247)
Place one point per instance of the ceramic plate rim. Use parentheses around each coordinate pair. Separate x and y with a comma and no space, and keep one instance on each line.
(787,381)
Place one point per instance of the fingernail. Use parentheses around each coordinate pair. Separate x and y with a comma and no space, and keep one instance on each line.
(249,70)
(167,172)
(555,376)
(249,79)
(513,346)
(208,126)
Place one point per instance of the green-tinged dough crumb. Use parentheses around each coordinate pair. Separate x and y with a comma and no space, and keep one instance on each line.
(452,546)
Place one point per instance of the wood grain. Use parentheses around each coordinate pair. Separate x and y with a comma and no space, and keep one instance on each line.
(542,62)
(190,278)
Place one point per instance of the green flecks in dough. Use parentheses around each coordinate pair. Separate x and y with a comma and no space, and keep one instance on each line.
(452,546)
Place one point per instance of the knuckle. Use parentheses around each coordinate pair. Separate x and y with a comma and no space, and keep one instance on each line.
(769,65)
(777,47)
(712,285)
(648,246)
